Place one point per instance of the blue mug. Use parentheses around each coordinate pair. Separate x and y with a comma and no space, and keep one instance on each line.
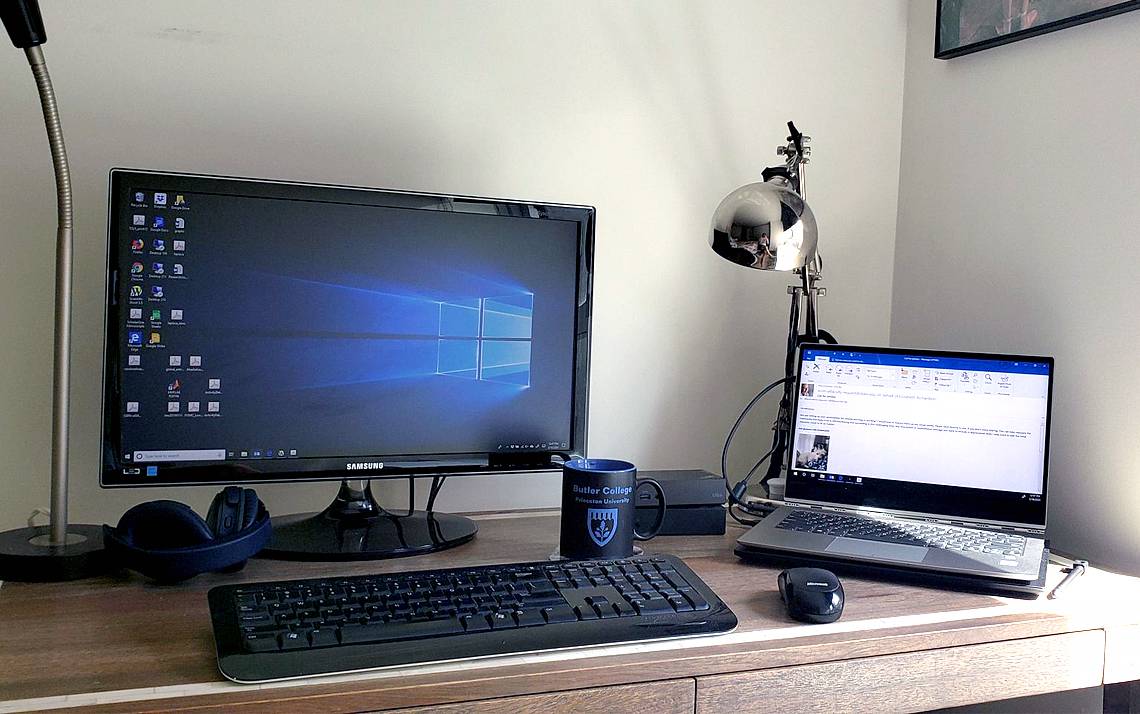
(599,508)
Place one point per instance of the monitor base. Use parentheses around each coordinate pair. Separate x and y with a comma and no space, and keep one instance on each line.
(356,527)
(26,556)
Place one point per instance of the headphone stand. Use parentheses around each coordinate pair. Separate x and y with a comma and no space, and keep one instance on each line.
(356,527)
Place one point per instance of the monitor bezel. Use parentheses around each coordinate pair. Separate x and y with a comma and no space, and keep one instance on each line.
(288,470)
(797,491)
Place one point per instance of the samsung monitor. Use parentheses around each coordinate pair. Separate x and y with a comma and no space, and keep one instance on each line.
(262,331)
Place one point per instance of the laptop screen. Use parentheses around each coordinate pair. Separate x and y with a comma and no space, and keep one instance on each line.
(944,433)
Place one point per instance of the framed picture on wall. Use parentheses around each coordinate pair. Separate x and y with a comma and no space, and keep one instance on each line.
(966,26)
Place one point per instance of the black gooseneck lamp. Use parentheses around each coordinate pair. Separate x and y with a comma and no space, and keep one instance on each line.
(58,551)
(769,226)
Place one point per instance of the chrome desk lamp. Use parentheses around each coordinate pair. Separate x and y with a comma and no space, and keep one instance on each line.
(61,551)
(769,226)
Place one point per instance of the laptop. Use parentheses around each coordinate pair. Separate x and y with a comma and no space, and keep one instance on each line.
(915,458)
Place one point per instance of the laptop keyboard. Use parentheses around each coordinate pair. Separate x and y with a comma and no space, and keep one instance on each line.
(965,540)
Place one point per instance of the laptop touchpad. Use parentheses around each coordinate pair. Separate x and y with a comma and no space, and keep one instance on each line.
(876,549)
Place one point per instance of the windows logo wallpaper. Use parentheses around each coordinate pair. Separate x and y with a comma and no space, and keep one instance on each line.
(487,339)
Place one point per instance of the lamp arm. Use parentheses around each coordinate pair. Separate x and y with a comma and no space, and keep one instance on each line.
(61,376)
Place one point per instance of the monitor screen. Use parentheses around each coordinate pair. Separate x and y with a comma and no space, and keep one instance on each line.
(261,330)
(946,433)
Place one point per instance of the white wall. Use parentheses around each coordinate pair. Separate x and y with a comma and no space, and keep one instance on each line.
(1017,232)
(650,110)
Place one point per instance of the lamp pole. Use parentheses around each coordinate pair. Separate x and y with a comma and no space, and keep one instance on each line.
(60,552)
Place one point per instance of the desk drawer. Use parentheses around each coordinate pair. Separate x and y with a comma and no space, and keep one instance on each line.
(674,696)
(915,681)
(1122,654)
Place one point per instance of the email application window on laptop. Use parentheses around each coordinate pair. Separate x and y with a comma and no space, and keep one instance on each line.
(954,434)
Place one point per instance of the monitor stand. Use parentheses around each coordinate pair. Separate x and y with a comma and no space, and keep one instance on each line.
(356,527)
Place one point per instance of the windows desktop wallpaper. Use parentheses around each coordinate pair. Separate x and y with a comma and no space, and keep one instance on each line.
(337,329)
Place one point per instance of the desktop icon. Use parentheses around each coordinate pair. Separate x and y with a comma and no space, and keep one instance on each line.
(138,219)
(134,337)
(195,360)
(174,386)
(214,384)
(158,268)
(213,407)
(155,315)
(173,407)
(193,407)
(136,313)
(175,360)
(136,290)
(159,244)
(179,200)
(137,268)
(177,269)
(156,291)
(134,360)
(140,197)
(180,223)
(160,199)
(137,244)
(159,222)
(132,407)
(151,470)
(156,338)
(179,246)
(176,315)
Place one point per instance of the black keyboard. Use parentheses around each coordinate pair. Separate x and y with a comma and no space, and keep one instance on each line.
(277,630)
(933,535)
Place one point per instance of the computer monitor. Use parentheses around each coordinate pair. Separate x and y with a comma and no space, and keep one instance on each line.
(264,331)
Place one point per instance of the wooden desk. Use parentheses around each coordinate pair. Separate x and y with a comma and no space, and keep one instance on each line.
(118,643)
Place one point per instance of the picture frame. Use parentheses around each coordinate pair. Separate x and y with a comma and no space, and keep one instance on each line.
(966,26)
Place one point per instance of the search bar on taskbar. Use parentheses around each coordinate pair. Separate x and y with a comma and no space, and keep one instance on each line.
(187,455)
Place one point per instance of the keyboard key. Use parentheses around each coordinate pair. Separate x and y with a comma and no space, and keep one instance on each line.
(559,613)
(476,623)
(680,604)
(653,606)
(293,640)
(502,621)
(585,612)
(397,630)
(266,642)
(694,598)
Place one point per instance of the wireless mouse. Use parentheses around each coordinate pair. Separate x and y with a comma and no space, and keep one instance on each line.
(811,595)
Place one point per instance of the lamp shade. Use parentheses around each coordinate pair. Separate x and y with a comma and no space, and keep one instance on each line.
(766,226)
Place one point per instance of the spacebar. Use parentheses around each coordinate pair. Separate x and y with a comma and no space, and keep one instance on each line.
(385,632)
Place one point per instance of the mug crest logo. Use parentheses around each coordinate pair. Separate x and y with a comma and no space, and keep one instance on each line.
(602,524)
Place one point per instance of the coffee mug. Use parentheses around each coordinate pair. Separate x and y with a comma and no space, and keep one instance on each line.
(598,509)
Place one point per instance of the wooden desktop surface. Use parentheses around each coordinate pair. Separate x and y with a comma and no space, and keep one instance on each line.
(120,643)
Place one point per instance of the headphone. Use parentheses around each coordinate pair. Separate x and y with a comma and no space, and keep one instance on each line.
(169,542)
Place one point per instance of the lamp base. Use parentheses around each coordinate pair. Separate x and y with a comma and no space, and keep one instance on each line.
(26,556)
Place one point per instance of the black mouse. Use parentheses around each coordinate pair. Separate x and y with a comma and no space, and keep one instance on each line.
(811,594)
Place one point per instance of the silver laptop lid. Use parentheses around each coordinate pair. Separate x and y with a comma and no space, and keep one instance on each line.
(954,435)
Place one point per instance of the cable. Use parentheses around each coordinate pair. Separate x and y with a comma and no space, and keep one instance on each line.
(436,485)
(736,493)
